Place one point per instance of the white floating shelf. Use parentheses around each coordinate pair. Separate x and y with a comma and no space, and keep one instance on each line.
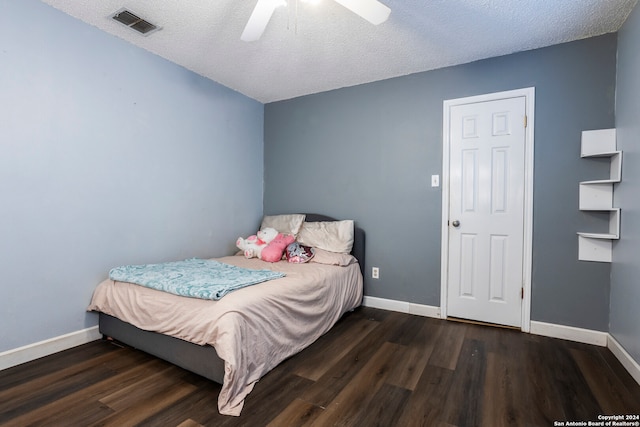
(600,181)
(590,249)
(599,236)
(598,143)
(614,227)
(597,195)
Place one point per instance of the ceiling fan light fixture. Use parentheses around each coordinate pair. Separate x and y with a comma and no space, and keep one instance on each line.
(371,10)
(260,18)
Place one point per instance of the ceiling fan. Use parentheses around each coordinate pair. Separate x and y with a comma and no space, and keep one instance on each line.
(371,10)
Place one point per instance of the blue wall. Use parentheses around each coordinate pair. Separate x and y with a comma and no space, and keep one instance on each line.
(109,155)
(368,152)
(625,270)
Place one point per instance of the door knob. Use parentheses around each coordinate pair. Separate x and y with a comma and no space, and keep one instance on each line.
(456,223)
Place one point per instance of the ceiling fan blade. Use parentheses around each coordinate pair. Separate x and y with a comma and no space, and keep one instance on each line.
(259,19)
(371,10)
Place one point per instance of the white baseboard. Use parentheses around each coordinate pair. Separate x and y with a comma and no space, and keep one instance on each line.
(625,358)
(402,306)
(40,349)
(570,333)
(586,336)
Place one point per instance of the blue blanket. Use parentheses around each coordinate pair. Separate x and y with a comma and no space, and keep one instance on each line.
(197,278)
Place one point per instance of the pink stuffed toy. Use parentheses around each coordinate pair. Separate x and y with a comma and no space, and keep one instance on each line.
(275,249)
(252,246)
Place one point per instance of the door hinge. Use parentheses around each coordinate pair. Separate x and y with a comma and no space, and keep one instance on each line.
(521,293)
(525,121)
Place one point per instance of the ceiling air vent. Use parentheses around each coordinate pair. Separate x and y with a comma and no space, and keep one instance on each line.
(134,22)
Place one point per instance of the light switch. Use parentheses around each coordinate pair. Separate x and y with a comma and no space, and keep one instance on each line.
(435,180)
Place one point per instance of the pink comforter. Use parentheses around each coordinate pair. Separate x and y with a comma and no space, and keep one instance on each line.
(252,329)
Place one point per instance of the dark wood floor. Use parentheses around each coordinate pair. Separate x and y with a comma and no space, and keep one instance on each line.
(374,368)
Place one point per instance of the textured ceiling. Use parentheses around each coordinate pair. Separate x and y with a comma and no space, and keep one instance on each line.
(326,47)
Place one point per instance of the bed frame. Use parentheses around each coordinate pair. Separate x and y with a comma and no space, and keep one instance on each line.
(202,360)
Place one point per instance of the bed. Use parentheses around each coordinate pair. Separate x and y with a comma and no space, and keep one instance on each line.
(239,338)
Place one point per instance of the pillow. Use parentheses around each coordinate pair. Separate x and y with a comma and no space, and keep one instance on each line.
(298,253)
(285,224)
(332,236)
(332,258)
(274,250)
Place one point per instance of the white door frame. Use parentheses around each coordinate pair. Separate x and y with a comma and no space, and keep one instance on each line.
(529,94)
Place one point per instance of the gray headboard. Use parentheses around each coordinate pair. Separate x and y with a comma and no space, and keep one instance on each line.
(358,237)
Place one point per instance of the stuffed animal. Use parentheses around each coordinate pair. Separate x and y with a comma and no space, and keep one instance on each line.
(253,245)
(298,253)
(275,248)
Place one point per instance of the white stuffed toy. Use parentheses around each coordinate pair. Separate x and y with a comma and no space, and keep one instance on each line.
(252,246)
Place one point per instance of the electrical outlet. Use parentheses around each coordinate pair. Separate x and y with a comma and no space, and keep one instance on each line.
(375,273)
(435,180)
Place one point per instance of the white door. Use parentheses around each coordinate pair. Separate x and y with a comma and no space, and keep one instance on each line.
(486,210)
